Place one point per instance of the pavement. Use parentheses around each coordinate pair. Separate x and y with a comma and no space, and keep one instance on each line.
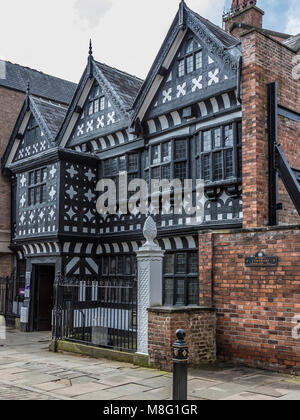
(28,371)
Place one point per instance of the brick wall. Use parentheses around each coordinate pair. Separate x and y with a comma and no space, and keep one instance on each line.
(199,325)
(6,263)
(251,16)
(10,106)
(256,307)
(265,61)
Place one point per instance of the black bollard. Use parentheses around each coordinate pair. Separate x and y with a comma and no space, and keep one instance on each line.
(180,364)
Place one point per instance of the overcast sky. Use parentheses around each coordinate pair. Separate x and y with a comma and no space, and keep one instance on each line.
(52,36)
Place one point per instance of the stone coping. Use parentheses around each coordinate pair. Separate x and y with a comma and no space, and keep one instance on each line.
(169,310)
(251,230)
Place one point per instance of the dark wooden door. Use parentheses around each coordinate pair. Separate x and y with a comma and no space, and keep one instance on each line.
(44,297)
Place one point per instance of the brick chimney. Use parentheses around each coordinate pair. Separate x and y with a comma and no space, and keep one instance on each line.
(243,16)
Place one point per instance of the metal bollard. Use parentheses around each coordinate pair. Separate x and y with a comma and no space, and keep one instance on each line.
(180,364)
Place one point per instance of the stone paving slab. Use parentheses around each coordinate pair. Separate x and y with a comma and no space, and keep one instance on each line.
(29,372)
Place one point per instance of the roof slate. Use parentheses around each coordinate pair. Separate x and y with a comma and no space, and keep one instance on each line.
(226,38)
(41,84)
(52,113)
(293,42)
(125,85)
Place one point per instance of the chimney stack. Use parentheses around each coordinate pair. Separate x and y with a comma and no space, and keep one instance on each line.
(244,14)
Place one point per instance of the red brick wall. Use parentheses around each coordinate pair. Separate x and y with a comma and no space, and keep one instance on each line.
(250,16)
(200,328)
(256,306)
(265,61)
(10,106)
(6,263)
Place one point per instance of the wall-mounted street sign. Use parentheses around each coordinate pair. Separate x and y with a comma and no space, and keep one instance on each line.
(261,260)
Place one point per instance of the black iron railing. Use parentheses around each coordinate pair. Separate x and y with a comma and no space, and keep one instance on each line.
(6,296)
(96,312)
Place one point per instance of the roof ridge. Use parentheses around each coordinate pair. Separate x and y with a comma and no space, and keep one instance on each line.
(120,71)
(213,24)
(50,102)
(38,71)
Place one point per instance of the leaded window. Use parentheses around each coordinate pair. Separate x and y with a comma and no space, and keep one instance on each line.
(116,267)
(168,160)
(96,102)
(37,186)
(181,279)
(218,153)
(192,60)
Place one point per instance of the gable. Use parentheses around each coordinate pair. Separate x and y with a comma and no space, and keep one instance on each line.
(97,117)
(195,73)
(33,142)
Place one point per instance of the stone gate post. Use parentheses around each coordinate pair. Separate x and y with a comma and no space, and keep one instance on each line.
(150,274)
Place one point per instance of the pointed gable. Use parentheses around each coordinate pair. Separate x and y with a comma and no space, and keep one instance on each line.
(197,60)
(43,126)
(107,105)
(195,72)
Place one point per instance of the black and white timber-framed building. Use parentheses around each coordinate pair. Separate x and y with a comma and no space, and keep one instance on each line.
(183,121)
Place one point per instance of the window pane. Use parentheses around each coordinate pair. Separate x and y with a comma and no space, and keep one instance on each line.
(120,265)
(206,141)
(37,177)
(206,168)
(170,264)
(155,155)
(43,193)
(111,167)
(156,173)
(228,135)
(113,265)
(31,178)
(180,149)
(180,171)
(181,68)
(133,162)
(44,174)
(190,47)
(228,163)
(190,64)
(166,152)
(168,291)
(91,108)
(218,140)
(128,265)
(193,292)
(218,167)
(180,264)
(193,263)
(239,140)
(31,197)
(198,60)
(102,103)
(180,292)
(166,172)
(96,106)
(105,262)
(122,163)
(37,195)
